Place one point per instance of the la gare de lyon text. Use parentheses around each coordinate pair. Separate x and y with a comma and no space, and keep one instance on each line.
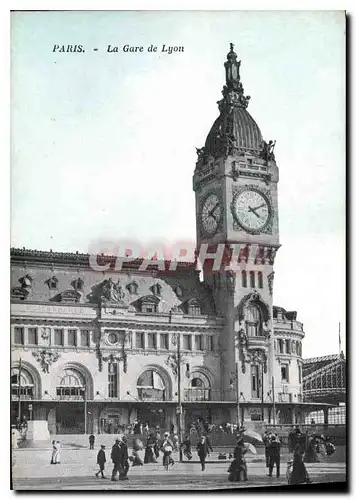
(169,49)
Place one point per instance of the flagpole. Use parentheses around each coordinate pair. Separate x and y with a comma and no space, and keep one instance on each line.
(339,339)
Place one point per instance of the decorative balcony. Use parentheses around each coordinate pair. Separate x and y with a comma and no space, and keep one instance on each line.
(197,394)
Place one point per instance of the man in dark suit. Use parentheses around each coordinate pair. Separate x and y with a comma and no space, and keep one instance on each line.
(124,461)
(274,454)
(203,449)
(115,457)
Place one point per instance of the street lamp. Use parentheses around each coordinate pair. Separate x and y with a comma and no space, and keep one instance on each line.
(176,341)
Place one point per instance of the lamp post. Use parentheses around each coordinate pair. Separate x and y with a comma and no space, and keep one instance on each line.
(176,341)
(235,378)
(85,408)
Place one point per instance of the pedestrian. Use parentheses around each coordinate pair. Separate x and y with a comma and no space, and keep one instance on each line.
(125,460)
(274,455)
(119,456)
(175,442)
(91,441)
(100,460)
(299,472)
(266,441)
(203,451)
(137,446)
(187,447)
(146,429)
(238,466)
(115,457)
(167,448)
(150,450)
(54,453)
(330,448)
(137,427)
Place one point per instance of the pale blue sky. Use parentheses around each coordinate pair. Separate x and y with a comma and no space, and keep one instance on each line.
(103,144)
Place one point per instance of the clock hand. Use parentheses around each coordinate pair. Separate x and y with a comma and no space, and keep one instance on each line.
(260,206)
(213,210)
(250,209)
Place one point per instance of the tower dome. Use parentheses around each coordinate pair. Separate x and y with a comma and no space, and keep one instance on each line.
(234,131)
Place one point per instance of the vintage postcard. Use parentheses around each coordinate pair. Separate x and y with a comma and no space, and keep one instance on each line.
(178,250)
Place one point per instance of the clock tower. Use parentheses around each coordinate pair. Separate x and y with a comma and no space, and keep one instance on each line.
(235,183)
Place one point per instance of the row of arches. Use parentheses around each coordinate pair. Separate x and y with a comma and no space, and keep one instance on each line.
(74,381)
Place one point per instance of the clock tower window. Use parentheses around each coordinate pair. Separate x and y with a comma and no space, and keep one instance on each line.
(260,279)
(253,321)
(252,279)
(244,279)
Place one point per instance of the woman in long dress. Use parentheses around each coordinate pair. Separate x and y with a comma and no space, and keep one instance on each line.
(299,473)
(150,450)
(137,447)
(167,448)
(238,466)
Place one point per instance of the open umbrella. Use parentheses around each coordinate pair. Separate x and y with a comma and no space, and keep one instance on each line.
(252,436)
(251,448)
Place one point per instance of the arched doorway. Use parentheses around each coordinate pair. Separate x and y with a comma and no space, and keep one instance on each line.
(199,388)
(153,387)
(22,384)
(71,393)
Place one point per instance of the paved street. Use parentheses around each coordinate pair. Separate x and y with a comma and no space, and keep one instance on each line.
(32,470)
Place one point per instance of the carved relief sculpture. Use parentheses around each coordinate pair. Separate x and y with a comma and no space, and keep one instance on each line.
(270,279)
(243,344)
(172,362)
(112,291)
(45,358)
(259,357)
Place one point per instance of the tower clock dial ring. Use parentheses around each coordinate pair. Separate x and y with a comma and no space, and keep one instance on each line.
(210,214)
(252,210)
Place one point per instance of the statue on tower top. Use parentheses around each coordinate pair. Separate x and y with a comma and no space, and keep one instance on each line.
(232,69)
(233,91)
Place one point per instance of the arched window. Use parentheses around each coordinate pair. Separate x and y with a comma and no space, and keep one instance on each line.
(253,321)
(260,279)
(244,279)
(71,385)
(23,383)
(199,388)
(156,289)
(194,308)
(252,279)
(151,386)
(148,304)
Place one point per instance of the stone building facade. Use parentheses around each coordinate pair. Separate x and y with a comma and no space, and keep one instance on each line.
(92,350)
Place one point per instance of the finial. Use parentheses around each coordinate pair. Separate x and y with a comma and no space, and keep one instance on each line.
(231,47)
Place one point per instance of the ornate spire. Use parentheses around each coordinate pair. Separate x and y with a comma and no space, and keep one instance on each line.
(233,91)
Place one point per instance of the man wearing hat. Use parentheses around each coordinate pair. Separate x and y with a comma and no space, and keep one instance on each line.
(116,458)
(274,455)
(100,460)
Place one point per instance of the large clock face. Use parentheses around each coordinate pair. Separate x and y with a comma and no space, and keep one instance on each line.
(252,210)
(211,214)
